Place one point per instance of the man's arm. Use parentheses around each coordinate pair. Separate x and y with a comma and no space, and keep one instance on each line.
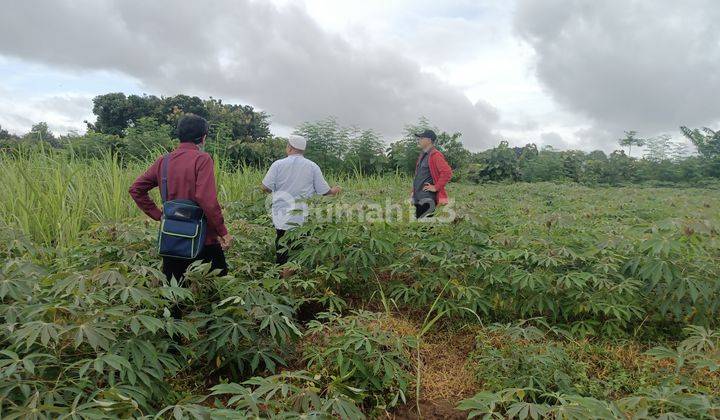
(333,191)
(206,197)
(321,186)
(412,189)
(444,173)
(139,191)
(268,183)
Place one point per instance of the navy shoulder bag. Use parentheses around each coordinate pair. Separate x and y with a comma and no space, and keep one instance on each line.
(183,224)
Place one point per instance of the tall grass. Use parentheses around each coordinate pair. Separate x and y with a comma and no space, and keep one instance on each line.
(53,196)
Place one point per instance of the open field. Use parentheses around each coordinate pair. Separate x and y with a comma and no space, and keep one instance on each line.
(535,300)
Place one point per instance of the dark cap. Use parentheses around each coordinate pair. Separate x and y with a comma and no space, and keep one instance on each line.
(427,134)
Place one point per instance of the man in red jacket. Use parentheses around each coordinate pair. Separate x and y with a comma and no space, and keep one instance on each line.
(191,176)
(432,172)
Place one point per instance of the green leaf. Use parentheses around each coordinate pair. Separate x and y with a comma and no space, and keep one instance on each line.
(29,365)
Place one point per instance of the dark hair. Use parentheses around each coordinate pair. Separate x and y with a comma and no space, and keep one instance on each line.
(191,128)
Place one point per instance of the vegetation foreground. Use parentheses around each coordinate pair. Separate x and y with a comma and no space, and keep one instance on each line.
(538,300)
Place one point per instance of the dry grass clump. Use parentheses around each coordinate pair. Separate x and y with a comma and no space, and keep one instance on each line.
(445,374)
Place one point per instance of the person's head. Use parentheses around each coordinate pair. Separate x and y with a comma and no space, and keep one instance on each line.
(192,129)
(296,145)
(426,139)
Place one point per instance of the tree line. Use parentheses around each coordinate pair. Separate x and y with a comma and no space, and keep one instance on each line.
(134,126)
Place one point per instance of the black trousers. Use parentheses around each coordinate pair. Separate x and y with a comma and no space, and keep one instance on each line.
(424,210)
(281,256)
(213,254)
(282,252)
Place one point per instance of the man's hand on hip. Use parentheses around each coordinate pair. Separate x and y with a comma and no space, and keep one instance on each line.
(226,241)
(429,187)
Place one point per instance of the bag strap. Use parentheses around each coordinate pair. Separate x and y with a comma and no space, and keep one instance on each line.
(164,171)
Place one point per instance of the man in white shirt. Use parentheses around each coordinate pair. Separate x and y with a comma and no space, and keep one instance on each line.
(291,181)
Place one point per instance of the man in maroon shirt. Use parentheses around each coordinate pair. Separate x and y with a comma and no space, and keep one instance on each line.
(190,176)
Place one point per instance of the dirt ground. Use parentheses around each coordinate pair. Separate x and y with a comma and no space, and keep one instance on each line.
(445,378)
(429,410)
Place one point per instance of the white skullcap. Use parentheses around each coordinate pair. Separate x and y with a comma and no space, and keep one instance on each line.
(298,142)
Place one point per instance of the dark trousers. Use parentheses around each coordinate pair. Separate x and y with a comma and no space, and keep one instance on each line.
(424,210)
(281,253)
(213,254)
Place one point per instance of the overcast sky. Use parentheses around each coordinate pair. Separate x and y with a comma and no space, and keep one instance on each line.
(569,73)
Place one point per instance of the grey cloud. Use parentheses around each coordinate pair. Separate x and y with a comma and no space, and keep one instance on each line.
(648,65)
(12,121)
(597,138)
(521,123)
(278,59)
(72,106)
(555,140)
(62,113)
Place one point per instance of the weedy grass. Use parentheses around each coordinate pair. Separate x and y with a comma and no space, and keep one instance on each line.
(528,370)
(556,300)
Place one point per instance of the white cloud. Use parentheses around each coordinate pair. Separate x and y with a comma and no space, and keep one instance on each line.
(62,113)
(648,65)
(278,59)
(520,70)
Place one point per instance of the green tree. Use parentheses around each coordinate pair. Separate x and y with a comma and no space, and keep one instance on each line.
(240,135)
(621,168)
(529,151)
(547,165)
(144,106)
(497,164)
(707,142)
(93,144)
(245,124)
(572,164)
(598,155)
(595,167)
(255,153)
(173,107)
(403,153)
(451,146)
(366,153)
(8,142)
(631,140)
(4,134)
(328,143)
(662,160)
(657,149)
(40,134)
(113,113)
(692,168)
(147,137)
